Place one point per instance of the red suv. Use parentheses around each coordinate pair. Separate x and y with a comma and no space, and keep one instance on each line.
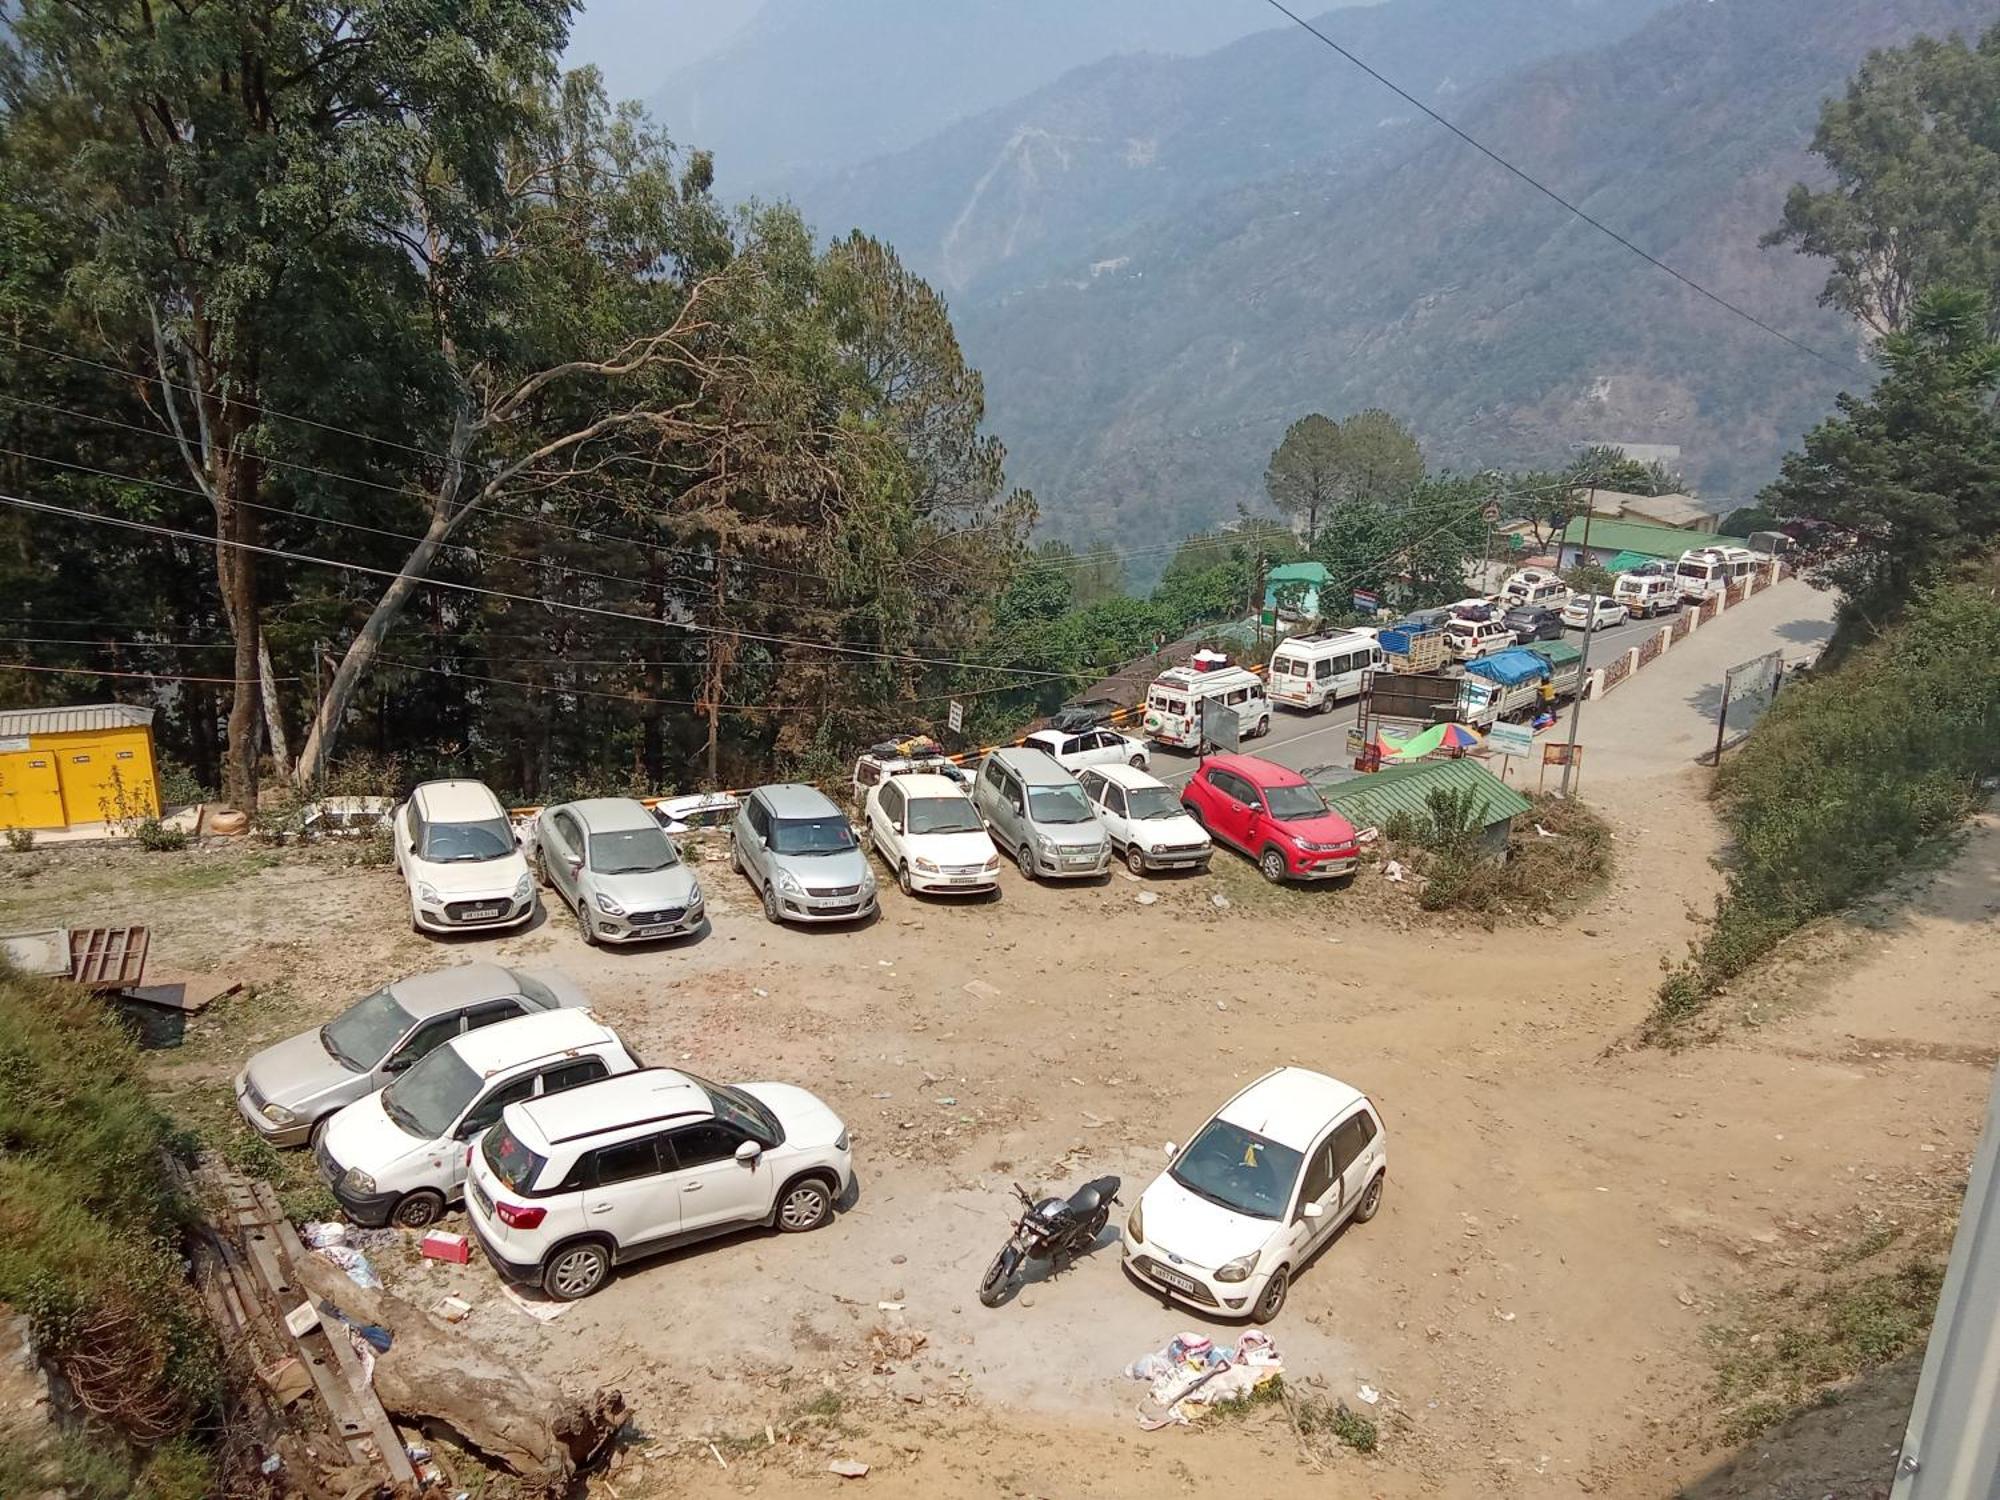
(1273,815)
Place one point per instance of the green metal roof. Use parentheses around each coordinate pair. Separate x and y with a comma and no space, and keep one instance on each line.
(1299,572)
(1367,801)
(1647,540)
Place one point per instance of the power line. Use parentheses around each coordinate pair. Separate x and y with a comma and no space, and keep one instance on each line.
(1550,193)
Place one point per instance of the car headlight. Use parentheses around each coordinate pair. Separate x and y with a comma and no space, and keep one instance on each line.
(606,905)
(1046,844)
(1238,1269)
(277,1114)
(428,893)
(867,880)
(524,888)
(926,866)
(789,883)
(993,862)
(1136,1225)
(695,899)
(358,1182)
(840,1141)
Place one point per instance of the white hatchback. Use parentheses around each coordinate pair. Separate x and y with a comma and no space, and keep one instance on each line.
(1092,747)
(565,1189)
(398,1156)
(459,855)
(926,827)
(1263,1185)
(1149,828)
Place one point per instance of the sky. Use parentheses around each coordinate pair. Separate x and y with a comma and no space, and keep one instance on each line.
(637,43)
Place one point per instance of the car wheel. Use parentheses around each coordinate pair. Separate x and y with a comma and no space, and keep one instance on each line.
(806,1204)
(583,926)
(542,869)
(1025,858)
(1193,810)
(735,857)
(1273,1301)
(1135,860)
(1371,1200)
(1137,762)
(576,1271)
(1263,727)
(419,1209)
(771,912)
(317,1131)
(903,879)
(1272,863)
(1328,704)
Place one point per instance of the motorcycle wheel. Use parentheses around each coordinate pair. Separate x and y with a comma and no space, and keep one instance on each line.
(1000,1275)
(1095,1227)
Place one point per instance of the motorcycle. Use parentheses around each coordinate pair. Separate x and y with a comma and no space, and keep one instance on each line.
(1052,1229)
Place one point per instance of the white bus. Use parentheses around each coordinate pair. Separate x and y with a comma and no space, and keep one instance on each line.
(1317,671)
(1705,572)
(1173,703)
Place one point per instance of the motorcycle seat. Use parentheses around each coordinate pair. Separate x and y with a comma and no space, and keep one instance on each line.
(1092,1195)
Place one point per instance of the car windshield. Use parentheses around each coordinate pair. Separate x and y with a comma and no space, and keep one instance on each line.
(943,815)
(1692,570)
(361,1036)
(1058,804)
(1239,1170)
(426,1100)
(632,851)
(1148,802)
(462,843)
(734,1107)
(1289,802)
(513,1163)
(811,836)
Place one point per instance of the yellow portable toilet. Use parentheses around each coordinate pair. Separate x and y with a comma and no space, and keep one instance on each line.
(60,767)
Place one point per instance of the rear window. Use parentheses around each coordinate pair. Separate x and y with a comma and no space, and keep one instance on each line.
(1167,704)
(510,1161)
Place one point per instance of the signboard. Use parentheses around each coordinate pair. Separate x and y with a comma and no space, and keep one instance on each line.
(955,716)
(1490,512)
(11,742)
(1219,728)
(1366,602)
(1511,739)
(1560,753)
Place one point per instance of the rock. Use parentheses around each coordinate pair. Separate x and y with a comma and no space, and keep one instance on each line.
(1147,898)
(1027,1299)
(1219,901)
(848,1468)
(897,1260)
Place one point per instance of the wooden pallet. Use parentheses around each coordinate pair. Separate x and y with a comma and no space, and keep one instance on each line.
(107,958)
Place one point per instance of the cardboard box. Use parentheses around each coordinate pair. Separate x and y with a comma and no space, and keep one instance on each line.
(302,1320)
(442,1244)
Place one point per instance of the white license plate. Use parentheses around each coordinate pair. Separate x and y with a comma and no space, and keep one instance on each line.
(654,931)
(965,880)
(477,913)
(1173,1279)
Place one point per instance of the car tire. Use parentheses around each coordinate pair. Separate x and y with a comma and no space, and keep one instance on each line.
(317,1130)
(1135,859)
(575,1271)
(542,869)
(803,1206)
(1263,727)
(1328,704)
(1271,1301)
(1271,863)
(418,1210)
(903,879)
(1371,1198)
(583,926)
(1193,810)
(1136,762)
(771,911)
(735,857)
(1024,857)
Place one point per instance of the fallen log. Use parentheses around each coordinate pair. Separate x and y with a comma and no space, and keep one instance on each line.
(434,1372)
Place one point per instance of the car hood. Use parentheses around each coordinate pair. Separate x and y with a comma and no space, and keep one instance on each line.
(674,886)
(1179,829)
(973,848)
(1182,1223)
(298,1072)
(362,1135)
(1327,828)
(1088,835)
(805,1117)
(818,871)
(481,877)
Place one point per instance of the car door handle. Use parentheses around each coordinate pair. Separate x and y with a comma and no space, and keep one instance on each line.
(600,1208)
(692,1187)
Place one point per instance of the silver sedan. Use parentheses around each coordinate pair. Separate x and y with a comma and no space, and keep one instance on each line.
(611,861)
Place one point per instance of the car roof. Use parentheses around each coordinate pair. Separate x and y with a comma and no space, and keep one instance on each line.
(611,814)
(930,784)
(1050,736)
(1034,766)
(1119,774)
(511,1043)
(626,1101)
(455,801)
(447,989)
(1256,770)
(791,799)
(1290,1106)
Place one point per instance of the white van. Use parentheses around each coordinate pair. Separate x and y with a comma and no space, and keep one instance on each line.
(1705,572)
(1647,594)
(1317,671)
(1534,586)
(1173,703)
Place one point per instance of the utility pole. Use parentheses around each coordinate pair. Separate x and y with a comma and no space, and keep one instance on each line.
(1257,606)
(1583,659)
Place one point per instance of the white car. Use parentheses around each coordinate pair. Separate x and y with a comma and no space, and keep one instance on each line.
(567,1188)
(1594,612)
(398,1155)
(927,829)
(1149,828)
(1091,747)
(458,853)
(1261,1187)
(1468,640)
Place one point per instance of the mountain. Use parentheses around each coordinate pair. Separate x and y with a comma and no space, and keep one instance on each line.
(809,87)
(1144,372)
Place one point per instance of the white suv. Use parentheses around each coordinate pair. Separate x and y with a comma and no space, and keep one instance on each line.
(566,1188)
(461,859)
(930,833)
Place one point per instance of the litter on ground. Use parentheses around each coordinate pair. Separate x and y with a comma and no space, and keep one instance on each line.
(1193,1372)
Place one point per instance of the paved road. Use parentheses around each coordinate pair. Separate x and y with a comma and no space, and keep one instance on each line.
(1299,740)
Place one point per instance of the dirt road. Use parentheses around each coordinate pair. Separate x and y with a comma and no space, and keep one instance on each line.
(1565,1215)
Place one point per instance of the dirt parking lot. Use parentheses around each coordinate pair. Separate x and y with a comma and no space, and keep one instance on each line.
(1568,1218)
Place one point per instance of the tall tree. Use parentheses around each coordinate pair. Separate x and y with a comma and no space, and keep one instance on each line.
(1379,457)
(1914,150)
(1303,477)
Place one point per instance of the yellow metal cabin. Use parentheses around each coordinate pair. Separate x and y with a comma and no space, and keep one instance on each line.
(61,767)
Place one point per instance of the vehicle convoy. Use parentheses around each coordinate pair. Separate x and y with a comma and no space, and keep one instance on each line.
(1707,572)
(398,1155)
(1273,815)
(1510,684)
(1173,703)
(563,1189)
(1035,810)
(288,1091)
(1314,672)
(799,853)
(1647,594)
(1257,1192)
(931,835)
(610,860)
(1073,750)
(461,859)
(1056,1230)
(1147,826)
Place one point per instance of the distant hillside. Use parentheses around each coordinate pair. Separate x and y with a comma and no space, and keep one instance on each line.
(1141,390)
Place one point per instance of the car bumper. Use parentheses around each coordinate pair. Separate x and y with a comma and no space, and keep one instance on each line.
(520,1273)
(817,909)
(1153,1267)
(1064,870)
(439,918)
(370,1210)
(954,885)
(1312,867)
(1188,859)
(625,930)
(278,1135)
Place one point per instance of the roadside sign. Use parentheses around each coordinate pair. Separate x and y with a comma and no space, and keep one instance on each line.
(1511,739)
(955,716)
(1366,602)
(1561,753)
(1490,512)
(1219,729)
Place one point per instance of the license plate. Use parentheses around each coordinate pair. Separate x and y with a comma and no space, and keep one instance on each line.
(654,931)
(1173,1279)
(476,913)
(965,880)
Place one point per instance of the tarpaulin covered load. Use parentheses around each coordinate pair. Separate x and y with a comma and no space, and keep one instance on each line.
(1509,668)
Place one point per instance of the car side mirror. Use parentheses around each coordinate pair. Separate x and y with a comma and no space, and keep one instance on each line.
(395,1065)
(575,863)
(1311,1210)
(748,1152)
(1170,1148)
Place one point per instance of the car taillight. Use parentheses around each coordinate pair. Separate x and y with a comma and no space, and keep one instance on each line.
(516,1217)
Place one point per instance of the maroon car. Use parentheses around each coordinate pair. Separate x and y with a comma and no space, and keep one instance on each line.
(1273,815)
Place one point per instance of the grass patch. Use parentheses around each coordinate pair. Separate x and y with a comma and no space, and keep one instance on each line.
(206,1120)
(1314,1418)
(1540,875)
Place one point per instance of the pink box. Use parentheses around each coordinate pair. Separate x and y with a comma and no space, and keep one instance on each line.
(442,1244)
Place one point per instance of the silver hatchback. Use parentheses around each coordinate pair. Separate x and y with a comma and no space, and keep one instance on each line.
(800,852)
(1037,811)
(610,860)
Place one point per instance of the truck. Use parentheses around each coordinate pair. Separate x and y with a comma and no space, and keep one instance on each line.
(1415,644)
(1508,684)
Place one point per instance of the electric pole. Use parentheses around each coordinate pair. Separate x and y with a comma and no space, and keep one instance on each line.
(1583,658)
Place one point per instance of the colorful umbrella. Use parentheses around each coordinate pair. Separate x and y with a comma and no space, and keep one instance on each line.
(1437,737)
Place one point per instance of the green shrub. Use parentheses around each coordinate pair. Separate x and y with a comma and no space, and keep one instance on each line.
(160,838)
(20,840)
(178,786)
